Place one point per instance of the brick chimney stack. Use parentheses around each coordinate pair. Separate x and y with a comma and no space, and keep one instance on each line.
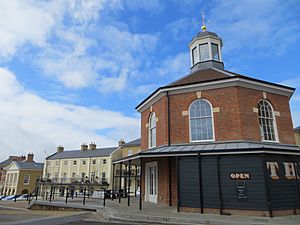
(84,147)
(20,158)
(121,142)
(60,148)
(30,157)
(92,146)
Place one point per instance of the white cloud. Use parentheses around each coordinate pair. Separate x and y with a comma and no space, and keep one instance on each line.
(23,22)
(174,66)
(71,70)
(84,11)
(68,45)
(295,100)
(30,123)
(255,25)
(153,5)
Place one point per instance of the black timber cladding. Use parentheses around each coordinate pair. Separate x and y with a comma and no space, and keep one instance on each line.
(250,194)
(284,193)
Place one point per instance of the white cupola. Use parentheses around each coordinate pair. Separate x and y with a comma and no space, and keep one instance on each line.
(206,50)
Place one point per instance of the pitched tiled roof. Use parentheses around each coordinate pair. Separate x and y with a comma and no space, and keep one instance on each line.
(99,152)
(136,142)
(209,75)
(6,162)
(199,76)
(30,165)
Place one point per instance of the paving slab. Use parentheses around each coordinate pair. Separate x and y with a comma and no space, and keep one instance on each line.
(154,214)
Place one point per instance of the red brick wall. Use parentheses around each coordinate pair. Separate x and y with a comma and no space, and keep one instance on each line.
(248,100)
(163,180)
(160,109)
(235,120)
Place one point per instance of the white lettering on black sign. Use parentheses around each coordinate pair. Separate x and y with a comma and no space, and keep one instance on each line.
(240,176)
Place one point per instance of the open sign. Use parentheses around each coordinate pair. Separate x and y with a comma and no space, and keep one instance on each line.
(240,176)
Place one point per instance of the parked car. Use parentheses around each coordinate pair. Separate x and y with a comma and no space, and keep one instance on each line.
(10,197)
(2,196)
(22,197)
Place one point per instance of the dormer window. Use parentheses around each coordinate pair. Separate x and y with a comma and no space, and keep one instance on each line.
(204,53)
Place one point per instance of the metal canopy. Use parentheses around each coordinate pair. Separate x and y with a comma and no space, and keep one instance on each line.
(213,148)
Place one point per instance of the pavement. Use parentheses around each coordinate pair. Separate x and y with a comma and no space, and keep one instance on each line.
(120,213)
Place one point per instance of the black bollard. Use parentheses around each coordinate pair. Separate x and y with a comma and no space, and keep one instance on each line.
(67,195)
(104,197)
(37,192)
(50,197)
(84,196)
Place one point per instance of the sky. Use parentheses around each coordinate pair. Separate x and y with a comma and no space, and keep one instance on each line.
(73,71)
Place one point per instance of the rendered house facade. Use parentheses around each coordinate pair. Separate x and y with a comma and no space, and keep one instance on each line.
(21,176)
(89,168)
(218,142)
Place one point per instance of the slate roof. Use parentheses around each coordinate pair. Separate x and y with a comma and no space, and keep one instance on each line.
(6,162)
(30,165)
(214,148)
(208,75)
(99,152)
(221,146)
(136,142)
(297,128)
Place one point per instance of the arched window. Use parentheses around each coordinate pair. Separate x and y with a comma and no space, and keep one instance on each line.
(266,121)
(201,121)
(152,130)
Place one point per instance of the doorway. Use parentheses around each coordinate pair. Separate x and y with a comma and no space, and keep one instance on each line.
(151,182)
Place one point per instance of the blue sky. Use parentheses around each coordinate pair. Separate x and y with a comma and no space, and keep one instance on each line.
(73,71)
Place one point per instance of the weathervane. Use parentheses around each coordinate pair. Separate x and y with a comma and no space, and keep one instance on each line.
(203,27)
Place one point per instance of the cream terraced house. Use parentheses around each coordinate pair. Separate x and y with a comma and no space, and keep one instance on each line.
(89,164)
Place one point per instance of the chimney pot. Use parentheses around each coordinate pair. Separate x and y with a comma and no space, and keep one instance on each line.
(60,148)
(30,157)
(92,146)
(121,142)
(84,147)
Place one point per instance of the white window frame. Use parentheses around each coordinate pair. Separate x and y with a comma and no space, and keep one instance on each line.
(74,164)
(28,182)
(212,122)
(195,55)
(274,123)
(208,51)
(212,56)
(104,161)
(149,131)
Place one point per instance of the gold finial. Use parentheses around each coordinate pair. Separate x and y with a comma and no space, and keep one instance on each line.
(203,27)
